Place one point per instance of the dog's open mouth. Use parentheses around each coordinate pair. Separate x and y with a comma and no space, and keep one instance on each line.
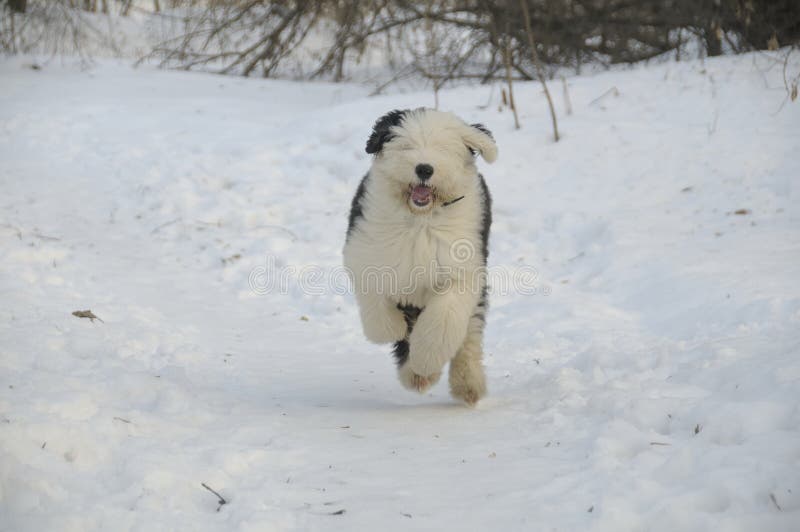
(421,195)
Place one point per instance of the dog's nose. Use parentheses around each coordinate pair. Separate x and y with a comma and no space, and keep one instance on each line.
(424,171)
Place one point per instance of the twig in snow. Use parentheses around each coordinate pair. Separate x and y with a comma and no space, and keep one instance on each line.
(280,227)
(659,443)
(86,314)
(791,84)
(488,103)
(612,90)
(338,512)
(230,260)
(775,502)
(221,500)
(712,127)
(567,100)
(46,237)
(165,224)
(122,419)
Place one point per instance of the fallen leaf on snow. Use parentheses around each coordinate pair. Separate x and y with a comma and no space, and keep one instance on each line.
(86,314)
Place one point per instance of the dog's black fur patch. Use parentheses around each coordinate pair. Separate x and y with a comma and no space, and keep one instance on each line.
(381,131)
(483,305)
(486,218)
(400,352)
(483,129)
(356,210)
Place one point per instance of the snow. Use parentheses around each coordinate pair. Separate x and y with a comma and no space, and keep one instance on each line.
(650,383)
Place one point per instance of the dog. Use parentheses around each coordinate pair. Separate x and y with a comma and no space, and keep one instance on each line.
(417,245)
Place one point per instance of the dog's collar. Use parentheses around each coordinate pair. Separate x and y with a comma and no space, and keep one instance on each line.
(445,204)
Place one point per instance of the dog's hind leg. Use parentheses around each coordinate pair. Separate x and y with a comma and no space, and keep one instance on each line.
(467,378)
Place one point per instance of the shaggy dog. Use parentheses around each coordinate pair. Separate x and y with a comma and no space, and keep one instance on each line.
(417,244)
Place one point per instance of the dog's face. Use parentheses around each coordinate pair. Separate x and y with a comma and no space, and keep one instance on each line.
(428,156)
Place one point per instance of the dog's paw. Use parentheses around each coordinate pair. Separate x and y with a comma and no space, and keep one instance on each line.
(469,394)
(467,382)
(385,327)
(415,382)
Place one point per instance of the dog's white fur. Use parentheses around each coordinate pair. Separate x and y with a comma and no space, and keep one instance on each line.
(415,251)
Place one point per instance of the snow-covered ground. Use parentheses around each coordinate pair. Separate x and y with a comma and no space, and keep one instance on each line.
(652,382)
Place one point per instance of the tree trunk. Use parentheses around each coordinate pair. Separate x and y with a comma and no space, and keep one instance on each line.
(507,62)
(539,68)
(713,42)
(712,33)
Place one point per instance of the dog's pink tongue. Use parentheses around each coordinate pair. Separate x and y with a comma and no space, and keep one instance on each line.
(421,194)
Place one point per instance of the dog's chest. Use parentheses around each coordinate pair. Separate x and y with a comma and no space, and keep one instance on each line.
(420,246)
(421,253)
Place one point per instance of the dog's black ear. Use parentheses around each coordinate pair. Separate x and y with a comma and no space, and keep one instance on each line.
(483,129)
(381,131)
(479,139)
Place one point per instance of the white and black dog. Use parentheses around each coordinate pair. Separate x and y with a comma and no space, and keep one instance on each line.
(417,244)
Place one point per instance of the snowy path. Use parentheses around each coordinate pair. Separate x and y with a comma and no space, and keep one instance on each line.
(652,383)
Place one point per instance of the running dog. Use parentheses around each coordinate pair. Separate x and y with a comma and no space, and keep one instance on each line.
(417,244)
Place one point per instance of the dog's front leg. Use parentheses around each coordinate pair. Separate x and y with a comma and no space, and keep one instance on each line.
(439,332)
(382,321)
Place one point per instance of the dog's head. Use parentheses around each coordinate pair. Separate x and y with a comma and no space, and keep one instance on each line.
(428,156)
